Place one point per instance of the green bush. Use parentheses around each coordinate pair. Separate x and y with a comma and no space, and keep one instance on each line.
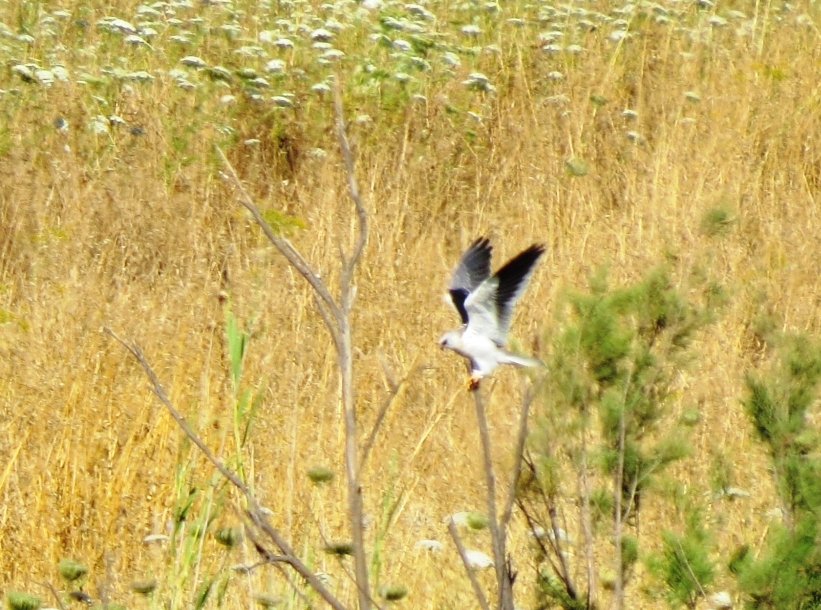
(788,574)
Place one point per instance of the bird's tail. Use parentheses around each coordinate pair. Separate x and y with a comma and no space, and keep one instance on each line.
(519,360)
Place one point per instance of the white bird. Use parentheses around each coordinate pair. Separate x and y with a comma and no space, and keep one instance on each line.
(485,304)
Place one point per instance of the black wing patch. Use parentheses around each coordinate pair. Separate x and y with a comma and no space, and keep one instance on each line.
(513,276)
(459,296)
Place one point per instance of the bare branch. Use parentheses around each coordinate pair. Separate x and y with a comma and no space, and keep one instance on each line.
(271,558)
(353,190)
(383,411)
(336,317)
(254,513)
(497,532)
(477,589)
(330,323)
(555,540)
(345,362)
(557,570)
(55,594)
(282,244)
(380,416)
(518,454)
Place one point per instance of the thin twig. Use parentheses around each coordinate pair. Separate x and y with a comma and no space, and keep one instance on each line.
(380,416)
(56,595)
(345,363)
(617,499)
(555,540)
(254,512)
(497,533)
(330,323)
(268,555)
(532,526)
(689,569)
(353,190)
(518,454)
(281,243)
(383,411)
(477,589)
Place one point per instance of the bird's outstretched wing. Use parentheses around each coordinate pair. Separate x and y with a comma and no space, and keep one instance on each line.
(472,269)
(490,307)
(513,279)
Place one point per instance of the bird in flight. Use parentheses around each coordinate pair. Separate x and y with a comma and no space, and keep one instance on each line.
(485,304)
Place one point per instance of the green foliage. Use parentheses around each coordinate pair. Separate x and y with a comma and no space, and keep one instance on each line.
(601,503)
(684,565)
(71,570)
(690,417)
(222,588)
(630,341)
(788,574)
(614,362)
(281,222)
(721,473)
(267,601)
(716,222)
(551,588)
(203,593)
(245,404)
(393,593)
(739,560)
(340,549)
(237,341)
(477,521)
(777,404)
(320,474)
(629,552)
(576,166)
(19,600)
(229,537)
(389,504)
(144,587)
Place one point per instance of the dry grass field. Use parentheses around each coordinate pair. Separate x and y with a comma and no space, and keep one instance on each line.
(607,147)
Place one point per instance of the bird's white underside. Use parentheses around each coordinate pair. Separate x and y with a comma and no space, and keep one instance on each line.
(483,353)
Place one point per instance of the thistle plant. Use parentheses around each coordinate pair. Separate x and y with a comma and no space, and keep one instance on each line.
(71,570)
(20,600)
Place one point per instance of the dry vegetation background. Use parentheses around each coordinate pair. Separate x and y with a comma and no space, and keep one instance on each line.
(131,226)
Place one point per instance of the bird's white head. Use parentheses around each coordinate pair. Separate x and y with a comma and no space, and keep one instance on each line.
(451,340)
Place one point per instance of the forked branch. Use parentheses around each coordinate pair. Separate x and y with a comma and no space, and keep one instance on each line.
(349,265)
(254,512)
(335,314)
